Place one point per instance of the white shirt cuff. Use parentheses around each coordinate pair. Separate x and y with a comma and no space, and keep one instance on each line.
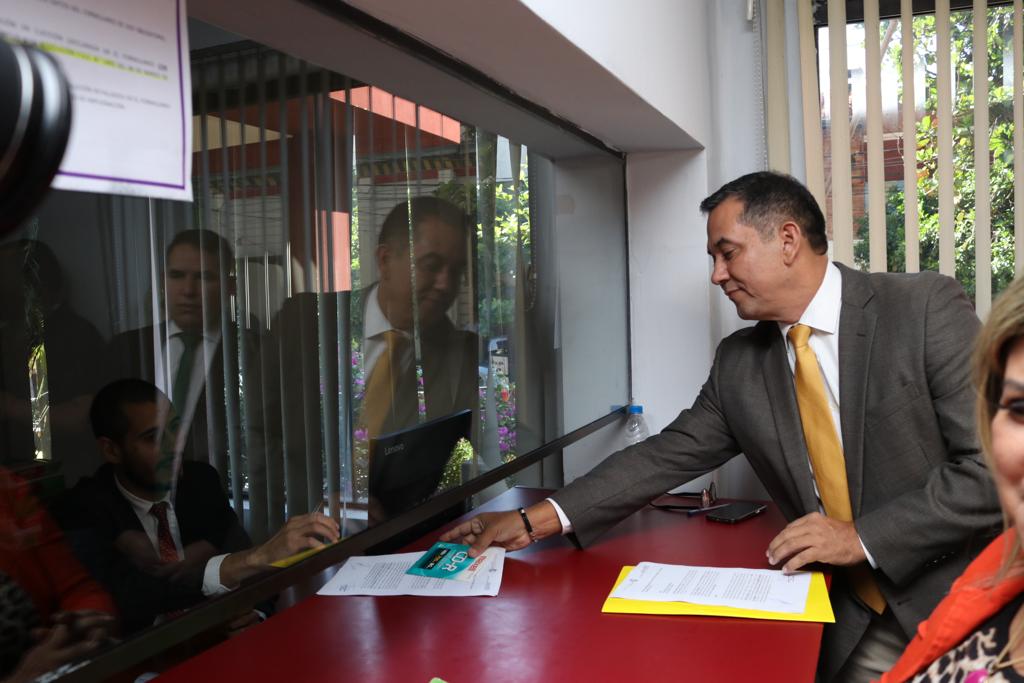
(867,554)
(566,524)
(211,577)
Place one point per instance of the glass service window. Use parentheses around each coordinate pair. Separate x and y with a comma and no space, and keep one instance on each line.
(359,275)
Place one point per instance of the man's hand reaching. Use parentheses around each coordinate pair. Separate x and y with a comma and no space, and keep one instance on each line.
(505,529)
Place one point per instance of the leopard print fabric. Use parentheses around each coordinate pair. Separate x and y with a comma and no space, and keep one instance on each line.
(17,619)
(976,652)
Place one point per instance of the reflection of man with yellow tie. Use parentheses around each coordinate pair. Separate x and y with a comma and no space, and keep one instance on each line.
(409,304)
(852,402)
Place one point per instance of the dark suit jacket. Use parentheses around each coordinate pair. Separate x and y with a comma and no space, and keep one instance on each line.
(450,377)
(216,433)
(922,498)
(95,513)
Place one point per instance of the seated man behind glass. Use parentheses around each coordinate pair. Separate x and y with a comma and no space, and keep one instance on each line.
(156,530)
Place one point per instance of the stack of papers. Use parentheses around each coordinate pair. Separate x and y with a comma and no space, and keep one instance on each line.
(652,588)
(386,575)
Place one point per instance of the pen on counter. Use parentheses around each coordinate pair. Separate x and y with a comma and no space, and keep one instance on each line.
(697,511)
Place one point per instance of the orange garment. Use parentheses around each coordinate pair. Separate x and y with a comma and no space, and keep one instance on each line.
(972,599)
(34,554)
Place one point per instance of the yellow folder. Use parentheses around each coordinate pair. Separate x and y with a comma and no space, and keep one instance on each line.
(818,606)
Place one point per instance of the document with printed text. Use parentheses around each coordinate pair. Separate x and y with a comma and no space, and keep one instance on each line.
(754,589)
(386,575)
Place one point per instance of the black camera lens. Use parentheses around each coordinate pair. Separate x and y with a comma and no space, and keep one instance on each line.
(35,120)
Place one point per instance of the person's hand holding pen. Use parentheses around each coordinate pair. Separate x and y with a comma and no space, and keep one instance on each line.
(300,533)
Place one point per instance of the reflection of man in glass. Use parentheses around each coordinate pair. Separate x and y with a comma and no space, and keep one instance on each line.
(190,363)
(416,288)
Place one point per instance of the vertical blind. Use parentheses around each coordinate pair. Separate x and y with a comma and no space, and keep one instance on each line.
(916,115)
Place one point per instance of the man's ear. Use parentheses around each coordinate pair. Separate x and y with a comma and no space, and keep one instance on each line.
(109,449)
(791,236)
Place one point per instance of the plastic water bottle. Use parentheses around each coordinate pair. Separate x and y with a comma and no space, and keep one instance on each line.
(636,426)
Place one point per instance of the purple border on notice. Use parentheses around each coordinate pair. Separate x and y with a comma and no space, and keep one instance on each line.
(181,108)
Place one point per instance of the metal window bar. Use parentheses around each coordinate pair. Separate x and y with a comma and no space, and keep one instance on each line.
(944,116)
(842,199)
(1018,136)
(876,162)
(982,198)
(814,157)
(910,208)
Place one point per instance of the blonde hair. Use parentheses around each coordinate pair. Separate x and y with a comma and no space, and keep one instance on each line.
(1005,325)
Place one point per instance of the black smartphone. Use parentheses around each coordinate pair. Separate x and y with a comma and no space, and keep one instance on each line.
(736,512)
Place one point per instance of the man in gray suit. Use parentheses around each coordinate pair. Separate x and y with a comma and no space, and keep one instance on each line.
(898,499)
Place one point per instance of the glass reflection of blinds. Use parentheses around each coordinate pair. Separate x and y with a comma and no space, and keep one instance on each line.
(288,404)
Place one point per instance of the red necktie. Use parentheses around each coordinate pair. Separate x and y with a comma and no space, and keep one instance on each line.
(168,551)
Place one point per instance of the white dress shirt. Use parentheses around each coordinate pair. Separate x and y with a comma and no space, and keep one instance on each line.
(142,507)
(822,316)
(375,324)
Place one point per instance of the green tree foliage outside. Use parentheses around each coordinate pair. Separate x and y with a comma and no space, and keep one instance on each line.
(1000,147)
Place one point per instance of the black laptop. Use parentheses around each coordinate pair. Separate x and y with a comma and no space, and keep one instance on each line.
(406,466)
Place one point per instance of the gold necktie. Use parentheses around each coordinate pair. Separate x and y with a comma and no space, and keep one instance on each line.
(826,454)
(380,396)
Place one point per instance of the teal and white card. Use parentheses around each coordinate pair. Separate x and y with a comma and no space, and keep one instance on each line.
(443,561)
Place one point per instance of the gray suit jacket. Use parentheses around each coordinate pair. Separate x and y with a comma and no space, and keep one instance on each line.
(922,498)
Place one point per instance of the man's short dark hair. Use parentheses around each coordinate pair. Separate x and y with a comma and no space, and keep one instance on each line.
(395,230)
(770,199)
(209,243)
(106,414)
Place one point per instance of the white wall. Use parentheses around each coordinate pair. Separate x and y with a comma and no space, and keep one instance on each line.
(699,63)
(737,147)
(657,48)
(633,88)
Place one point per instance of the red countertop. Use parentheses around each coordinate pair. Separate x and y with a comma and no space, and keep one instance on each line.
(545,625)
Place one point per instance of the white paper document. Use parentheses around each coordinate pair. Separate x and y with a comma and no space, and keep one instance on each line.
(128,65)
(385,575)
(757,589)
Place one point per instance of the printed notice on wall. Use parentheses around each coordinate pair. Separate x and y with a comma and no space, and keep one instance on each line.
(128,65)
